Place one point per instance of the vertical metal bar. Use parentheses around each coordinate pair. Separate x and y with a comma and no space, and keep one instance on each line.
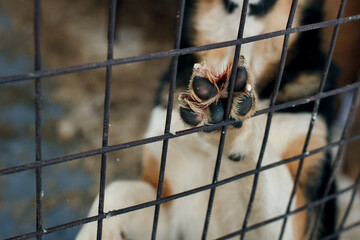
(107,101)
(38,99)
(313,118)
(174,68)
(226,117)
(352,198)
(270,115)
(336,162)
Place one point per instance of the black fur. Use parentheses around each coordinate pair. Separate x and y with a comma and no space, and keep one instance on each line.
(230,6)
(262,8)
(316,192)
(186,62)
(306,56)
(185,68)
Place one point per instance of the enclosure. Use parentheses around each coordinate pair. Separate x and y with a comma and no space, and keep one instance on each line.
(72,117)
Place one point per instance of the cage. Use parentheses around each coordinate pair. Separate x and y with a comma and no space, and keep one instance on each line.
(81,61)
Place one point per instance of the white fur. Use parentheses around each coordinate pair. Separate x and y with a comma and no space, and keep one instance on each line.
(226,26)
(190,164)
(191,160)
(123,194)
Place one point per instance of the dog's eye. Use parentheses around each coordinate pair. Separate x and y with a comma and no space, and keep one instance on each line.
(262,8)
(229,6)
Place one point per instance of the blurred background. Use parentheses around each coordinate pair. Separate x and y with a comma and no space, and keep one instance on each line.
(73,33)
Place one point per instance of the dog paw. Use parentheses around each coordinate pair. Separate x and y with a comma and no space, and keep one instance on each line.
(205,100)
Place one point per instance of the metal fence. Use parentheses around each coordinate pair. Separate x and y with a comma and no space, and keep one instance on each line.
(40,164)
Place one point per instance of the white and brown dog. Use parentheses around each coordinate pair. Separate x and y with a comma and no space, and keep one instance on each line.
(202,87)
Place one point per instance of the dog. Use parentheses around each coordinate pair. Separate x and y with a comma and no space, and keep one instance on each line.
(204,87)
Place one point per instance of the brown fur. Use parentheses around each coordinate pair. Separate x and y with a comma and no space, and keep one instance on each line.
(347,49)
(311,164)
(300,219)
(150,174)
(346,56)
(267,55)
(270,49)
(303,85)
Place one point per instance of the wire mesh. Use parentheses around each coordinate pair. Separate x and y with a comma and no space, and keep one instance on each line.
(314,113)
(226,117)
(40,164)
(270,114)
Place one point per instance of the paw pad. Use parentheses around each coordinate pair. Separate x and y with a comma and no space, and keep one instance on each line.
(204,101)
(241,78)
(203,88)
(217,111)
(189,116)
(243,104)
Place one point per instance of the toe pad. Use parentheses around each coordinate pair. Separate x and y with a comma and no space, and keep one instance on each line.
(203,88)
(189,116)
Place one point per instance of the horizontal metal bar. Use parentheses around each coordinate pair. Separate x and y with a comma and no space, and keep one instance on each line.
(170,198)
(94,152)
(340,231)
(175,53)
(315,110)
(172,53)
(309,99)
(273,98)
(277,218)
